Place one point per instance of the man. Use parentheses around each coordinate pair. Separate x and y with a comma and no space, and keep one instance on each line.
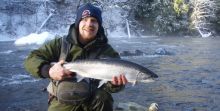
(87,41)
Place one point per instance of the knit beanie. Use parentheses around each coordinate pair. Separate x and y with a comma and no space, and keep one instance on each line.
(88,10)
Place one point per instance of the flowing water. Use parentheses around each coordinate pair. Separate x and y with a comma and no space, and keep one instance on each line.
(188,70)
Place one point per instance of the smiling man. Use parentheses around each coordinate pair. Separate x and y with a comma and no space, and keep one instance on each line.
(88,28)
(87,40)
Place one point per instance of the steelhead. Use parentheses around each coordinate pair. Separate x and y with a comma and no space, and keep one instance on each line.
(105,69)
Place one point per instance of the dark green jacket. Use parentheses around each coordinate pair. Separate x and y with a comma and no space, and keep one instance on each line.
(38,62)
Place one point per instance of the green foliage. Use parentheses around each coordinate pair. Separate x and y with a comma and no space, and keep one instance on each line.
(159,17)
(180,7)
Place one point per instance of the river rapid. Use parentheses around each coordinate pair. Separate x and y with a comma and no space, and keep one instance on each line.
(188,70)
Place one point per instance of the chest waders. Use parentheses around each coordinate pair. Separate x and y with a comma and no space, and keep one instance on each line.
(69,91)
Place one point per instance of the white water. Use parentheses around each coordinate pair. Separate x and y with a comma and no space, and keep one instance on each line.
(34,38)
(16,79)
(6,52)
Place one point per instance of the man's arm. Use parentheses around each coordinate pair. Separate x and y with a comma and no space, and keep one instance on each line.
(38,61)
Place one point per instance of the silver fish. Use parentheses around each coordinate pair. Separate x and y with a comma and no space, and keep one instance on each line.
(105,69)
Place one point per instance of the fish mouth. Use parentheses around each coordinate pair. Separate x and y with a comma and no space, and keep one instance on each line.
(154,76)
(147,80)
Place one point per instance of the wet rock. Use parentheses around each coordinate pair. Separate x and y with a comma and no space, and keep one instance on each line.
(125,53)
(43,89)
(153,107)
(139,52)
(162,51)
(132,53)
(130,106)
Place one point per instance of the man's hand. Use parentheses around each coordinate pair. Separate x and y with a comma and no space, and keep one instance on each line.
(57,72)
(120,80)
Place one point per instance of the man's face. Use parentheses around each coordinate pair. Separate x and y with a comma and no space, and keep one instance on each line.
(88,28)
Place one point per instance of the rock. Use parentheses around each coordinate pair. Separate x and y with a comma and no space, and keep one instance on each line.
(130,106)
(132,53)
(162,51)
(153,107)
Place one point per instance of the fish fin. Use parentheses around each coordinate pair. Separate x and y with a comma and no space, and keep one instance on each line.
(79,78)
(134,83)
(102,82)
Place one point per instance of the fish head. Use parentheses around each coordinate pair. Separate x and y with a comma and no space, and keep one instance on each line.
(145,78)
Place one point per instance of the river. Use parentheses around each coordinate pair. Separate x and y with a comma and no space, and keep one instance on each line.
(188,70)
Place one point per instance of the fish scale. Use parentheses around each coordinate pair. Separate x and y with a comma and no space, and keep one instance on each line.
(105,69)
